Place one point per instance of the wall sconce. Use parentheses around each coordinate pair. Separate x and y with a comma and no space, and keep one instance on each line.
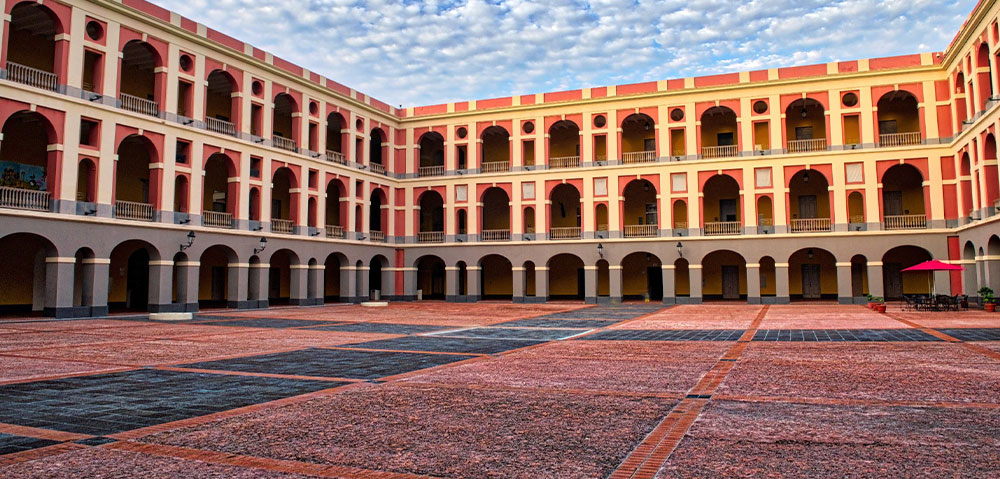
(805,114)
(184,221)
(190,237)
(680,249)
(600,250)
(314,233)
(805,177)
(809,253)
(263,244)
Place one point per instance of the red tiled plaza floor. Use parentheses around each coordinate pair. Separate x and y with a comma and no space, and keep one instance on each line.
(645,404)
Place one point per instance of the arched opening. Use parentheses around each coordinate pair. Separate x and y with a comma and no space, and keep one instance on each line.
(375,141)
(965,180)
(529,220)
(431,223)
(431,154)
(984,75)
(379,277)
(724,275)
(809,202)
(283,210)
(496,215)
(768,278)
(312,280)
(564,212)
(718,133)
(638,139)
(856,210)
(462,222)
(138,78)
(182,192)
(961,111)
(336,138)
(377,215)
(529,279)
(970,284)
(221,103)
(991,178)
(311,212)
(215,278)
(254,203)
(564,144)
(134,188)
(461,276)
(130,278)
(25,274)
(254,294)
(335,278)
(431,277)
(993,263)
(279,280)
(603,279)
(859,276)
(336,199)
(805,126)
(903,198)
(639,211)
(31,46)
(682,279)
(359,288)
(496,150)
(566,277)
(812,274)
(896,283)
(601,220)
(765,215)
(642,277)
(86,181)
(680,217)
(283,127)
(497,280)
(25,161)
(898,119)
(722,206)
(219,197)
(83,281)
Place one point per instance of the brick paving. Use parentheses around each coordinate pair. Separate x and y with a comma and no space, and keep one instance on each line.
(499,390)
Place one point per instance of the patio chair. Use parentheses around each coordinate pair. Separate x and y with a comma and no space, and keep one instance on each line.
(909,304)
(962,301)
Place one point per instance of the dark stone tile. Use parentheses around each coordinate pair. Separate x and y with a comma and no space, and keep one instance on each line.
(619,312)
(96,441)
(512,333)
(837,335)
(446,344)
(10,444)
(268,323)
(385,328)
(973,334)
(666,335)
(558,323)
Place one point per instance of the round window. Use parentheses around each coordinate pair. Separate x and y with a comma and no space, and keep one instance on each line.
(529,127)
(676,114)
(257,88)
(313,108)
(94,30)
(186,63)
(600,121)
(462,132)
(760,107)
(850,99)
(360,124)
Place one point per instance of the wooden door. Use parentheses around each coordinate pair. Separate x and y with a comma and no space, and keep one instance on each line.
(730,282)
(810,281)
(893,276)
(728,210)
(807,206)
(892,202)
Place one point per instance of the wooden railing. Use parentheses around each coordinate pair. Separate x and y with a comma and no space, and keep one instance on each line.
(336,157)
(377,168)
(220,126)
(680,225)
(886,140)
(571,232)
(564,162)
(425,171)
(808,225)
(494,235)
(495,167)
(709,152)
(430,237)
(217,219)
(802,146)
(139,105)
(23,199)
(723,228)
(335,232)
(765,222)
(284,143)
(131,210)
(377,236)
(640,231)
(638,157)
(279,225)
(857,219)
(32,76)
(904,222)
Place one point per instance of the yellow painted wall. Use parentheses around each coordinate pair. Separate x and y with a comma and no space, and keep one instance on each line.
(565,203)
(497,276)
(563,275)
(827,271)
(814,118)
(711,271)
(529,281)
(564,142)
(603,278)
(496,147)
(768,278)
(637,195)
(30,50)
(600,148)
(682,280)
(528,153)
(18,267)
(714,124)
(677,147)
(716,190)
(680,213)
(816,186)
(132,172)
(601,217)
(904,112)
(634,275)
(214,257)
(852,130)
(634,138)
(856,207)
(762,135)
(765,210)
(906,179)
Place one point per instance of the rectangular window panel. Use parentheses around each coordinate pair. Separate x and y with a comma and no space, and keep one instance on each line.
(678,182)
(528,191)
(461,193)
(600,187)
(763,177)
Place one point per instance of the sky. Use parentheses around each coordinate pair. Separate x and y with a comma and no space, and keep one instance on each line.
(422,53)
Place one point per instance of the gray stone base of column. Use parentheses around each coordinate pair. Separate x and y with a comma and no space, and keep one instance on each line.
(687,300)
(67,312)
(534,300)
(774,300)
(305,301)
(241,304)
(166,308)
(98,311)
(752,300)
(189,308)
(670,301)
(615,300)
(593,300)
(355,300)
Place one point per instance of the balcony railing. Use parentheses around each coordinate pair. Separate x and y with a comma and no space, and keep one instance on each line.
(640,231)
(425,171)
(803,146)
(23,199)
(496,167)
(723,228)
(572,232)
(638,157)
(887,140)
(809,225)
(279,225)
(564,162)
(32,76)
(430,237)
(284,143)
(709,152)
(139,105)
(217,219)
(336,157)
(220,126)
(131,210)
(335,232)
(904,222)
(377,168)
(680,225)
(494,235)
(377,236)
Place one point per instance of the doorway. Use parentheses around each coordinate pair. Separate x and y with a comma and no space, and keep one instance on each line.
(811,282)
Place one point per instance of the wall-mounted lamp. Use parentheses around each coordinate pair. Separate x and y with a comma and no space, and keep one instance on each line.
(263,244)
(805,114)
(680,249)
(809,253)
(190,237)
(94,97)
(600,249)
(89,212)
(184,221)
(314,233)
(188,121)
(805,177)
(258,140)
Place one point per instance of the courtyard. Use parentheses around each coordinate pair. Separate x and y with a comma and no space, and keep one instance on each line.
(501,390)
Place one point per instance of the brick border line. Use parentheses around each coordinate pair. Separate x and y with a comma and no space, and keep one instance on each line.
(39,453)
(544,390)
(41,433)
(951,339)
(68,375)
(253,374)
(854,402)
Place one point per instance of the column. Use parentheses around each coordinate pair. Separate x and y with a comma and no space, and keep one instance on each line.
(99,269)
(781,283)
(298,283)
(844,287)
(615,283)
(472,274)
(59,286)
(875,278)
(541,284)
(258,285)
(363,287)
(316,280)
(753,283)
(237,280)
(669,287)
(518,284)
(161,275)
(348,288)
(694,272)
(590,284)
(451,284)
(187,285)
(410,284)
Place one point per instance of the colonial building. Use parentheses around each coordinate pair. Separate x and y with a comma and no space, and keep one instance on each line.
(151,163)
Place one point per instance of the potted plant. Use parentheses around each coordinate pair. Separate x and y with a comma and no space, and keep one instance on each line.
(871,301)
(986,293)
(879,303)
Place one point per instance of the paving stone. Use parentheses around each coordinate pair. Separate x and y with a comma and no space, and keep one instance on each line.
(558,323)
(666,335)
(973,334)
(385,328)
(10,444)
(824,335)
(333,363)
(446,345)
(267,323)
(620,312)
(138,398)
(512,333)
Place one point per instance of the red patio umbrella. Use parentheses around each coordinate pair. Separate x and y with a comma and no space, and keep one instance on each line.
(934,265)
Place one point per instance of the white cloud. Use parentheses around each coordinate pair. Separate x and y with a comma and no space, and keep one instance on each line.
(418,53)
